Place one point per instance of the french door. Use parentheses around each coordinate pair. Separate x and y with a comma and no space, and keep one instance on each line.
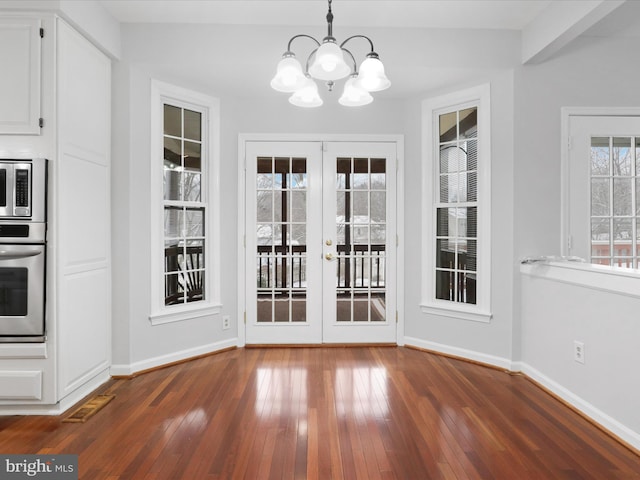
(320,242)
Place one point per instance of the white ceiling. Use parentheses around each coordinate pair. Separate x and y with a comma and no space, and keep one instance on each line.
(485,14)
(413,44)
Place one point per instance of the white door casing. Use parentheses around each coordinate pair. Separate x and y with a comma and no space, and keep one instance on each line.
(580,129)
(310,261)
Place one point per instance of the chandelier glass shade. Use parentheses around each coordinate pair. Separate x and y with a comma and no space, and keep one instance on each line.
(330,62)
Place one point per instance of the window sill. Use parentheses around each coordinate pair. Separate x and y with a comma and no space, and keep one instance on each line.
(623,281)
(457,311)
(179,313)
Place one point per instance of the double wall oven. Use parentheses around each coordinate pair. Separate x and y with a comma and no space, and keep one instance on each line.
(23,230)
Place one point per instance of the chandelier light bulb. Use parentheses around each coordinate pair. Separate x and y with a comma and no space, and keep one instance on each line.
(372,77)
(354,95)
(289,76)
(307,95)
(329,62)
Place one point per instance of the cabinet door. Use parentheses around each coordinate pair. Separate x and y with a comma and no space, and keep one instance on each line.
(20,50)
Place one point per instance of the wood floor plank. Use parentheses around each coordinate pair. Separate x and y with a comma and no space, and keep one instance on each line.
(327,413)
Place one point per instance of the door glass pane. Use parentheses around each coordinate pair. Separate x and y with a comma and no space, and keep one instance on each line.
(343,306)
(360,173)
(600,156)
(264,176)
(360,206)
(361,240)
(600,196)
(378,207)
(265,307)
(377,305)
(378,173)
(622,196)
(298,173)
(281,210)
(621,156)
(343,177)
(298,206)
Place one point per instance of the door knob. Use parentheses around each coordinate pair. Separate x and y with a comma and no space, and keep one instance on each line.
(328,256)
(328,243)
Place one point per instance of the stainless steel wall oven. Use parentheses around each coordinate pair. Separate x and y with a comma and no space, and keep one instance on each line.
(23,230)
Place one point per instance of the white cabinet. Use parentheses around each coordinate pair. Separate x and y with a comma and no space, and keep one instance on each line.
(20,79)
(82,221)
(73,92)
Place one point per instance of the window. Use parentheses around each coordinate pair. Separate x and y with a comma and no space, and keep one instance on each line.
(456,203)
(457,206)
(184,168)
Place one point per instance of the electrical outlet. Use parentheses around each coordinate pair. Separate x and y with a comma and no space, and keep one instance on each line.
(578,351)
(226,322)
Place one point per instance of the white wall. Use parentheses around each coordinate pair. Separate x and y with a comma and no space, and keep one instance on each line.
(562,304)
(593,71)
(489,342)
(203,58)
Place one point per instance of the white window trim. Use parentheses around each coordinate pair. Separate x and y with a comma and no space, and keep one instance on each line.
(477,96)
(161,314)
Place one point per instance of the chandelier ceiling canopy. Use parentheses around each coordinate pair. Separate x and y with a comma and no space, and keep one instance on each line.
(330,61)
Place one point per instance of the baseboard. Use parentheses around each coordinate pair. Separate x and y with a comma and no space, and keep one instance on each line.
(127,370)
(78,394)
(607,424)
(479,357)
(610,425)
(63,405)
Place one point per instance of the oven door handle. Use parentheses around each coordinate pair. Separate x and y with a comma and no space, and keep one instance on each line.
(4,255)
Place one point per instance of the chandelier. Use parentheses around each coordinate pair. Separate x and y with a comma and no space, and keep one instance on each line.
(327,62)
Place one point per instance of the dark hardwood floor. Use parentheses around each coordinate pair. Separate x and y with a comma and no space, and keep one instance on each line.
(327,413)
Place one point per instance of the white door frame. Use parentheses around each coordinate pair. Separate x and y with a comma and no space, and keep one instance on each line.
(243,138)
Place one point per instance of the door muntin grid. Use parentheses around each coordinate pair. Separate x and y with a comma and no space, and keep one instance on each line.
(361,227)
(281,239)
(615,200)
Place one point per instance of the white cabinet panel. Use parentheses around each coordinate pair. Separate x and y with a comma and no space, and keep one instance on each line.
(20,50)
(20,385)
(84,211)
(84,330)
